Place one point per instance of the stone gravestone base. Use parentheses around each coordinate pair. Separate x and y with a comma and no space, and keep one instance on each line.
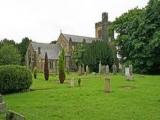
(11,115)
(107,85)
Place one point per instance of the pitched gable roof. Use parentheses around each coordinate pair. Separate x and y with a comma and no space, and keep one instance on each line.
(78,39)
(51,49)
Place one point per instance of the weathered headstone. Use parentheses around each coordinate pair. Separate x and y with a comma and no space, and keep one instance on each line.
(2,107)
(72,84)
(127,73)
(79,82)
(87,69)
(107,84)
(103,69)
(100,67)
(114,69)
(107,69)
(11,115)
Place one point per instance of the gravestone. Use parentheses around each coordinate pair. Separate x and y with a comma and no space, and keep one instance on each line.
(107,69)
(103,69)
(114,69)
(87,69)
(128,74)
(72,84)
(2,105)
(11,115)
(79,82)
(100,67)
(107,84)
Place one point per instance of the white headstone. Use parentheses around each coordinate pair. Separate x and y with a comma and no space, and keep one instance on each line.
(107,69)
(2,107)
(100,67)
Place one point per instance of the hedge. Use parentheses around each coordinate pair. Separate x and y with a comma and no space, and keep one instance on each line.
(14,78)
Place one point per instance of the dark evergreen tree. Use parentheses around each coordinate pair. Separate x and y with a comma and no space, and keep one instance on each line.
(61,67)
(46,69)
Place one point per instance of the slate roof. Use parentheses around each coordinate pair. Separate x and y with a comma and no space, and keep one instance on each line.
(79,39)
(52,50)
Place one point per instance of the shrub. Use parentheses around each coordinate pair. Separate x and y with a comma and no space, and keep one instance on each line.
(14,78)
(61,67)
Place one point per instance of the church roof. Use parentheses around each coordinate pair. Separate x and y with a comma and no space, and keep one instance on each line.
(79,39)
(52,50)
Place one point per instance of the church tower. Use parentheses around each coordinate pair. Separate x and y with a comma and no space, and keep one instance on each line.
(101,28)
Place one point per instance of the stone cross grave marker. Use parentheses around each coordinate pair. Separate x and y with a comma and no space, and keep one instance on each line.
(11,115)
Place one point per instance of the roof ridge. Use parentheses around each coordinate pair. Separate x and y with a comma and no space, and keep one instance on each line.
(78,35)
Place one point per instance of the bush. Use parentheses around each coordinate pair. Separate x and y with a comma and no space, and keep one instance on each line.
(61,67)
(14,78)
(46,69)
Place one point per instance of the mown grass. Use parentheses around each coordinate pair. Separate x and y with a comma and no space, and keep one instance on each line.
(129,100)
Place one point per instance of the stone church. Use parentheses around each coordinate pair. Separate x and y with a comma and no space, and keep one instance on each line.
(35,54)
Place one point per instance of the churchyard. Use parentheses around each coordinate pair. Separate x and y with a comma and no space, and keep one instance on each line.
(138,99)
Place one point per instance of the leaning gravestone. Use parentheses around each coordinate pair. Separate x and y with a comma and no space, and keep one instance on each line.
(114,69)
(107,69)
(107,84)
(11,115)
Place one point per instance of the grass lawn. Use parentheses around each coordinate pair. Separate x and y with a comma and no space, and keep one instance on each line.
(129,100)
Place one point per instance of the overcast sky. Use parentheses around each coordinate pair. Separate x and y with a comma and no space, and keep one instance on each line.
(42,20)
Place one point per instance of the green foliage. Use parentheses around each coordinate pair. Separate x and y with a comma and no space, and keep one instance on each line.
(91,54)
(9,55)
(23,48)
(139,38)
(78,53)
(14,78)
(7,42)
(61,67)
(46,69)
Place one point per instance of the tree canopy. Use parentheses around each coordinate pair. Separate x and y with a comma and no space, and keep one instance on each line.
(9,55)
(139,37)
